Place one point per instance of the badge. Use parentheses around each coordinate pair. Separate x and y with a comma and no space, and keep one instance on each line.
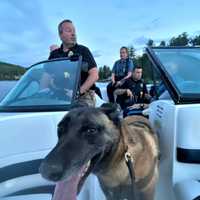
(70,53)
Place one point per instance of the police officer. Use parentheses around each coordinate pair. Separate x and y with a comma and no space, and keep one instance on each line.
(70,47)
(134,90)
(122,70)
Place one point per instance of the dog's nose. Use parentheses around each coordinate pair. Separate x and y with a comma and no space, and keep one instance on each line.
(52,172)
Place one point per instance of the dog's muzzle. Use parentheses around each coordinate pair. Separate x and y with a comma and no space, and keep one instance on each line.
(51,172)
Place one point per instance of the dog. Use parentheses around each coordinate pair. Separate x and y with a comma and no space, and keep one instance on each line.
(99,139)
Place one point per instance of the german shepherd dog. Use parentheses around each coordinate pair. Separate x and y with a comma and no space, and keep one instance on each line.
(98,139)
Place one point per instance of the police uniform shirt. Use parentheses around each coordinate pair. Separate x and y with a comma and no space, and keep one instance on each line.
(138,89)
(77,50)
(122,67)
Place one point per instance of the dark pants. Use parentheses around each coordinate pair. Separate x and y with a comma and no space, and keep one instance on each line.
(112,87)
(110,90)
(98,92)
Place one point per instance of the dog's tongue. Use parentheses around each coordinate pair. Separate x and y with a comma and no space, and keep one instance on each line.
(67,190)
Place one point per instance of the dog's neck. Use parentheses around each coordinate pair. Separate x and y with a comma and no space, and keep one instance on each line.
(111,151)
(117,151)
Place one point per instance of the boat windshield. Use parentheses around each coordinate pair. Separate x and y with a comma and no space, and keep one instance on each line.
(182,65)
(48,85)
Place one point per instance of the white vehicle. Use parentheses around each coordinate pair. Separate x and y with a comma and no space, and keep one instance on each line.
(29,115)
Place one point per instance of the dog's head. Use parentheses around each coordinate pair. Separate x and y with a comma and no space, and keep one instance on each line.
(85,135)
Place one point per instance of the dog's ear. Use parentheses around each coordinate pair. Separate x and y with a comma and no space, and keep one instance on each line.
(113,111)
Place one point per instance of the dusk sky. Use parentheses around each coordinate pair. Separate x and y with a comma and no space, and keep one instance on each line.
(29,27)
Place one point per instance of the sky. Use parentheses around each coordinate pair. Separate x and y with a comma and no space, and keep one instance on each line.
(29,27)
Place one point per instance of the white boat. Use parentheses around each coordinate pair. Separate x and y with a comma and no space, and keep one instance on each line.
(29,115)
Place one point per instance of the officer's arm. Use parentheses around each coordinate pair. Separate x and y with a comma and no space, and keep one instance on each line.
(128,76)
(113,78)
(123,91)
(92,78)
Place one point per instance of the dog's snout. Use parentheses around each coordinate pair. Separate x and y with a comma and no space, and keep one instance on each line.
(52,172)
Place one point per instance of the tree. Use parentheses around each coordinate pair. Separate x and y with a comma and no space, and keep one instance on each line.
(150,43)
(162,43)
(101,75)
(104,72)
(144,62)
(10,71)
(131,52)
(195,41)
(181,40)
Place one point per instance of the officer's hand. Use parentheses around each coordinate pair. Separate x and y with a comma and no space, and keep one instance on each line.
(118,83)
(129,93)
(53,47)
(113,82)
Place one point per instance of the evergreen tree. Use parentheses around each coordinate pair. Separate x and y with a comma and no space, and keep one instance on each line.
(181,40)
(150,43)
(100,73)
(104,72)
(162,43)
(144,62)
(131,52)
(195,41)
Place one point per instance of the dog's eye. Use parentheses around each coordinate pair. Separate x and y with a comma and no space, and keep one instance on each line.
(91,131)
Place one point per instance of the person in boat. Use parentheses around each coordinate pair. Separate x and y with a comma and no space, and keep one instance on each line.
(70,47)
(133,91)
(96,89)
(121,71)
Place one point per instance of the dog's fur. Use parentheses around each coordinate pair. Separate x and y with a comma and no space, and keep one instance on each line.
(98,135)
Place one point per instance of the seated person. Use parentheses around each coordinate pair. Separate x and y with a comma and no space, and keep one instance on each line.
(133,91)
(121,71)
